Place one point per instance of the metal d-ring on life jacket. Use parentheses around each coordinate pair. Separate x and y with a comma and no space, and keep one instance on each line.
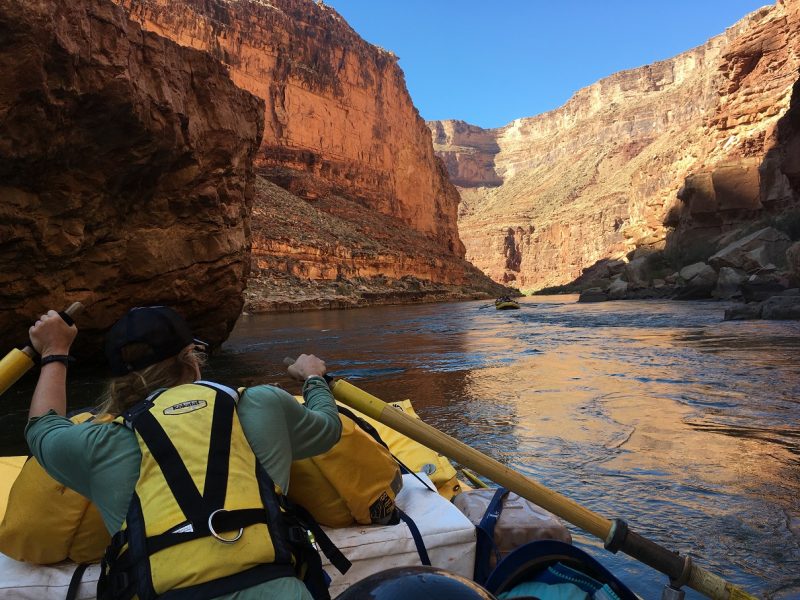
(205,518)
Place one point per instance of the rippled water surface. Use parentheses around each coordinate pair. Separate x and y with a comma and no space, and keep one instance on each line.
(657,412)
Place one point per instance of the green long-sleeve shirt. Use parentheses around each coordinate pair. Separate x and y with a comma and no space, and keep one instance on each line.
(102,461)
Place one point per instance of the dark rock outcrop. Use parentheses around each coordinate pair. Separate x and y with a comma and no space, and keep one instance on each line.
(777,308)
(125,171)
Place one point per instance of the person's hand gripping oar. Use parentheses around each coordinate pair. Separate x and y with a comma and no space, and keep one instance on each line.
(19,361)
(615,534)
(305,366)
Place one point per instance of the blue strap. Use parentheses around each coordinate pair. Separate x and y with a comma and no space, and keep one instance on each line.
(485,545)
(423,552)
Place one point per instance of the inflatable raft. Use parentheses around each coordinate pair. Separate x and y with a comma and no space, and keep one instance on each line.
(444,510)
(506,305)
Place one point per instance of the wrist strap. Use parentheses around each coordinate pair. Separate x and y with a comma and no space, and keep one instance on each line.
(64,359)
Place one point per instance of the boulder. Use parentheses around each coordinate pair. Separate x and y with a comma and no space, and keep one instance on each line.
(793,262)
(781,308)
(604,269)
(616,267)
(726,239)
(743,312)
(770,243)
(729,283)
(698,270)
(761,286)
(594,294)
(757,260)
(636,272)
(642,252)
(618,290)
(699,281)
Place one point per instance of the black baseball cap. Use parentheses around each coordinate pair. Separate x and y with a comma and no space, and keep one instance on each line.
(162,332)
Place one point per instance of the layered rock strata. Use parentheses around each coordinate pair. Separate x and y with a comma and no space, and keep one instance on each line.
(335,253)
(126,171)
(548,196)
(340,127)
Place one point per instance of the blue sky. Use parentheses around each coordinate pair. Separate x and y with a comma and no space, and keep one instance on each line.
(488,63)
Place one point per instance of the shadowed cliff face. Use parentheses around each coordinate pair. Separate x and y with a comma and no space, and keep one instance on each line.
(597,177)
(125,172)
(339,124)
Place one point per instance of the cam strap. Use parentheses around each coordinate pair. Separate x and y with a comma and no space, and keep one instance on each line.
(485,544)
(75,581)
(417,536)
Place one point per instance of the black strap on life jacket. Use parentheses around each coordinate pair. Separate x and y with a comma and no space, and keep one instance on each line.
(308,559)
(485,545)
(329,549)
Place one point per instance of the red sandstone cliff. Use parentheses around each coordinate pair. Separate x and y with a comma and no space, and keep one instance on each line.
(126,171)
(547,196)
(341,131)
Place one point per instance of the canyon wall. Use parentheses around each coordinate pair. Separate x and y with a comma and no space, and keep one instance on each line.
(340,128)
(126,172)
(545,197)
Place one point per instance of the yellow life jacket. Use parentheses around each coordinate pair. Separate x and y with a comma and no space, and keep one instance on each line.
(205,518)
(46,522)
(355,481)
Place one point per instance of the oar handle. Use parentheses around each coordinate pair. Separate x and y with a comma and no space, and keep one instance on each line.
(19,361)
(67,315)
(615,535)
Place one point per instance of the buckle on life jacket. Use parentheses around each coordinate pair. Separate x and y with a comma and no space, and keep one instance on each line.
(217,535)
(298,536)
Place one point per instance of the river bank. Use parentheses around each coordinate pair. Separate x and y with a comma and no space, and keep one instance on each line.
(758,266)
(280,292)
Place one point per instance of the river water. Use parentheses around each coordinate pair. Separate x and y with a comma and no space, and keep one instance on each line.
(657,412)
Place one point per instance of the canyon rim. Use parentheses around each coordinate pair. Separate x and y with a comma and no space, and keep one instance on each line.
(545,197)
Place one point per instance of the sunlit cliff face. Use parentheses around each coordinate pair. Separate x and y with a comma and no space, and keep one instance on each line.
(338,115)
(545,197)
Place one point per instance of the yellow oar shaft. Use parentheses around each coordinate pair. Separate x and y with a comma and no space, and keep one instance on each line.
(473,479)
(14,365)
(635,545)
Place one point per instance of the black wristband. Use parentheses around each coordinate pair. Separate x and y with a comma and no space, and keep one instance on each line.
(64,359)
